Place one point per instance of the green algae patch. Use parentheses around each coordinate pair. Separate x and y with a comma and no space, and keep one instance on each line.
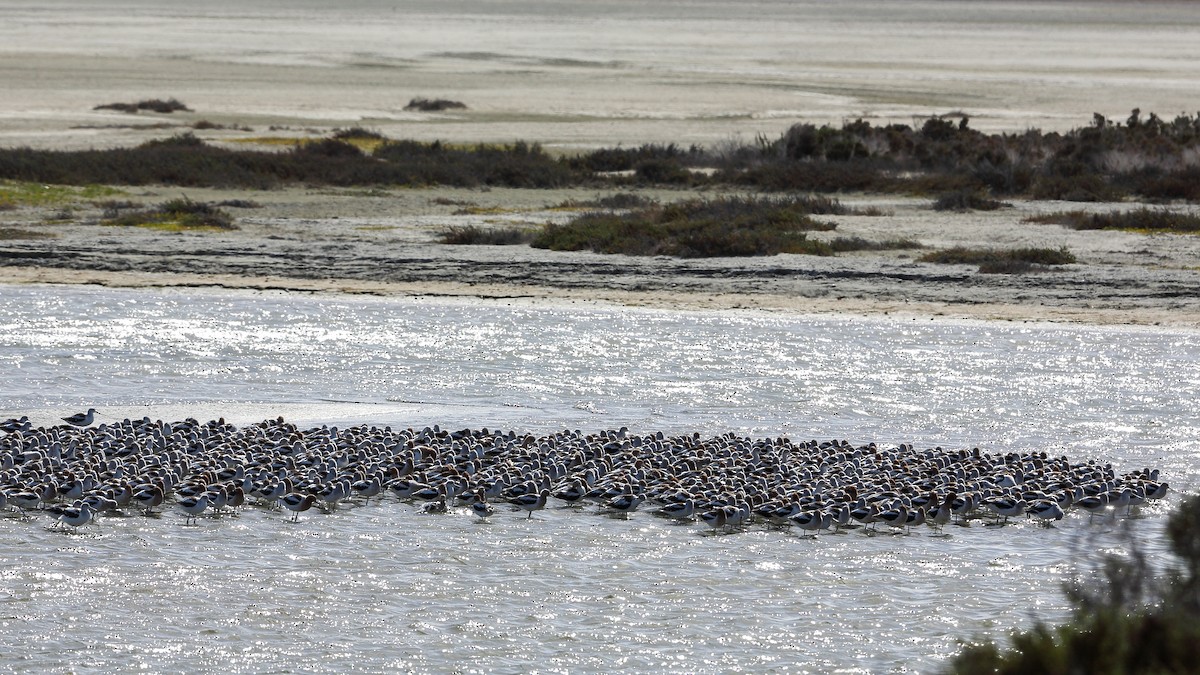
(15,193)
(177,215)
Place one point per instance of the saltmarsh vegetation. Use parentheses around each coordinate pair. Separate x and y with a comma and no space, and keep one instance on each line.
(697,228)
(1143,157)
(1130,617)
(152,105)
(1138,220)
(175,215)
(475,235)
(13,233)
(434,104)
(1002,261)
(14,194)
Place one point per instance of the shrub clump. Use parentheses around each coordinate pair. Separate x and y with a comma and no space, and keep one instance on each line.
(12,233)
(697,228)
(847,244)
(1127,621)
(473,235)
(153,105)
(177,215)
(966,200)
(1154,220)
(434,105)
(618,200)
(1000,261)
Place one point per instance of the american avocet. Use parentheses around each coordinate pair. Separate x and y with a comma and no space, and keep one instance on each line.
(76,516)
(1045,511)
(532,502)
(809,521)
(481,507)
(297,503)
(864,513)
(896,518)
(1156,490)
(81,419)
(625,504)
(1093,504)
(715,518)
(685,510)
(192,507)
(571,493)
(941,515)
(335,493)
(148,497)
(16,424)
(1006,507)
(368,488)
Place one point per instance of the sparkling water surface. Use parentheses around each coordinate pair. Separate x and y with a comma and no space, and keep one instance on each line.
(383,586)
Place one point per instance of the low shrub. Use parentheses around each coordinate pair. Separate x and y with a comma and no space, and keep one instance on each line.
(698,228)
(153,105)
(177,215)
(847,244)
(239,204)
(12,233)
(1156,220)
(434,105)
(473,235)
(966,200)
(1002,261)
(608,160)
(1127,617)
(618,200)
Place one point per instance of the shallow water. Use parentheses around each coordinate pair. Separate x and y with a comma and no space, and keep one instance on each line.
(384,587)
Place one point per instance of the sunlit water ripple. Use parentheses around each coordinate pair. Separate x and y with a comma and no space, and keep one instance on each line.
(385,587)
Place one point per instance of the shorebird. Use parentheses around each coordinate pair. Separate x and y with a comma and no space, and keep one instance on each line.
(193,506)
(531,502)
(715,519)
(1046,511)
(76,516)
(685,510)
(897,518)
(1007,507)
(624,504)
(149,497)
(297,503)
(481,507)
(16,424)
(81,419)
(941,515)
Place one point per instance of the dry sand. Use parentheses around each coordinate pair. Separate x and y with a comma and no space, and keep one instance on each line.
(384,242)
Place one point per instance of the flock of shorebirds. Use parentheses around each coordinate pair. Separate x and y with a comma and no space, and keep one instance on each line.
(79,471)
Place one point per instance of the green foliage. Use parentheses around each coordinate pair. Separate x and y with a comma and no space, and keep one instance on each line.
(698,228)
(1128,621)
(966,200)
(177,215)
(847,244)
(153,105)
(13,233)
(473,235)
(1002,261)
(618,200)
(434,105)
(23,193)
(187,161)
(1154,220)
(1145,157)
